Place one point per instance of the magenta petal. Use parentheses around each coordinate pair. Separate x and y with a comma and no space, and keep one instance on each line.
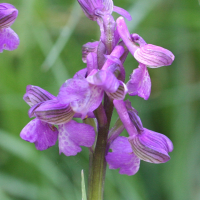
(125,35)
(32,110)
(122,157)
(8,14)
(40,133)
(9,40)
(91,62)
(72,135)
(105,79)
(88,48)
(151,146)
(81,73)
(53,112)
(82,96)
(154,56)
(35,95)
(140,82)
(122,12)
(90,103)
(73,89)
(120,93)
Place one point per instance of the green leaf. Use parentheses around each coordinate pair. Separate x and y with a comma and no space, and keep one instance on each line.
(84,196)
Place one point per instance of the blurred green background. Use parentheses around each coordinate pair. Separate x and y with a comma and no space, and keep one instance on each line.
(51,34)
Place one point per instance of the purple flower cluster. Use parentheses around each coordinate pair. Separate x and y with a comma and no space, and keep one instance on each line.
(103,76)
(8,38)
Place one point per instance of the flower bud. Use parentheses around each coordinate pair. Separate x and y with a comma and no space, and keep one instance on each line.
(94,9)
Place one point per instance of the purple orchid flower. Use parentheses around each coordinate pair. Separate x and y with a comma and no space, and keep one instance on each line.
(8,38)
(147,54)
(42,134)
(140,82)
(49,111)
(147,145)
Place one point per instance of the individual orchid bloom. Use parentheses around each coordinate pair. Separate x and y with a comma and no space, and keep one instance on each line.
(49,112)
(82,97)
(42,134)
(8,38)
(123,157)
(94,9)
(140,82)
(147,54)
(147,145)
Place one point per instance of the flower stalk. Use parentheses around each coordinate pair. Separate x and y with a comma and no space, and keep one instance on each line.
(97,168)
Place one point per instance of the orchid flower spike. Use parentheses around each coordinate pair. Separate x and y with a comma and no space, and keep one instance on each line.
(8,38)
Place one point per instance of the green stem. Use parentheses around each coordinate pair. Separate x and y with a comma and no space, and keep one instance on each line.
(97,169)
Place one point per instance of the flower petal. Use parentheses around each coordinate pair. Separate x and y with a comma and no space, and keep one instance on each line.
(120,93)
(125,35)
(122,12)
(140,82)
(91,62)
(123,157)
(35,95)
(73,89)
(88,48)
(9,40)
(8,14)
(151,146)
(81,73)
(53,112)
(154,56)
(90,103)
(105,79)
(72,135)
(82,96)
(42,134)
